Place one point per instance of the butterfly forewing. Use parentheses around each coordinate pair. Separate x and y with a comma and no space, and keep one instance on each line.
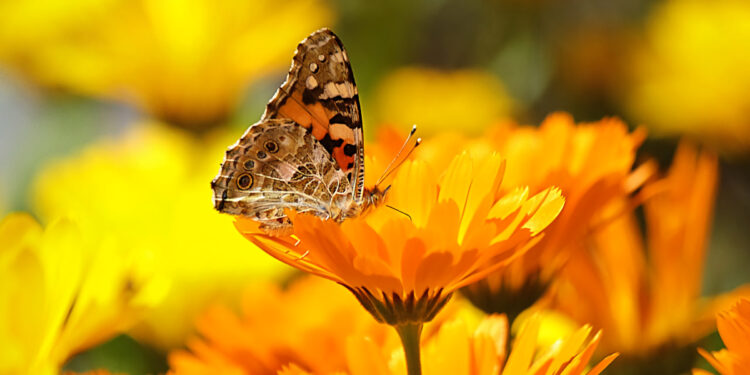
(320,95)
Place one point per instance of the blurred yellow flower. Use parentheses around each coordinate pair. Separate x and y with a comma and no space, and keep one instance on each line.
(29,27)
(464,100)
(646,296)
(457,350)
(734,328)
(150,190)
(64,291)
(186,62)
(692,75)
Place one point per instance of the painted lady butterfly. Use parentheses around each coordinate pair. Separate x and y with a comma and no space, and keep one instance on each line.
(307,151)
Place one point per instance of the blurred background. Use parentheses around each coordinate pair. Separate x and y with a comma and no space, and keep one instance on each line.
(98,94)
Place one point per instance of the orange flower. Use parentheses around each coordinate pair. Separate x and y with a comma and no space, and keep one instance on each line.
(646,296)
(456,350)
(403,269)
(452,351)
(292,332)
(305,324)
(734,328)
(590,163)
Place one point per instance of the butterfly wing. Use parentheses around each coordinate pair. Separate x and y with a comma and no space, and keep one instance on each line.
(277,165)
(320,95)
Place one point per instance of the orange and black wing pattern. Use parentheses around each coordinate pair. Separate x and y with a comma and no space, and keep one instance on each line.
(320,95)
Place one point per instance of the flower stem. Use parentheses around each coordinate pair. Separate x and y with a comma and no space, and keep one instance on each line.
(410,334)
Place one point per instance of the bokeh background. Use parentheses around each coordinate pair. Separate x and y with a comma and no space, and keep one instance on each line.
(120,110)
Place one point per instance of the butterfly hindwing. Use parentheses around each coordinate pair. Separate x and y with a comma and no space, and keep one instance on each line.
(277,165)
(320,95)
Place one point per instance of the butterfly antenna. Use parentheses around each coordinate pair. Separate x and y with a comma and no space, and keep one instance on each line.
(399,211)
(392,166)
(388,172)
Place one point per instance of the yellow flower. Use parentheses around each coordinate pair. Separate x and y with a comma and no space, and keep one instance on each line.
(148,190)
(413,95)
(646,296)
(402,269)
(63,291)
(187,62)
(456,350)
(32,26)
(691,77)
(734,328)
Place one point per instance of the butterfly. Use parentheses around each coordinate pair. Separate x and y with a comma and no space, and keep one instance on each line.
(307,151)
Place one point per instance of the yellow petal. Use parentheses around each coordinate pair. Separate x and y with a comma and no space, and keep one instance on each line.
(550,203)
(489,344)
(523,348)
(509,203)
(484,185)
(414,177)
(448,352)
(363,357)
(456,181)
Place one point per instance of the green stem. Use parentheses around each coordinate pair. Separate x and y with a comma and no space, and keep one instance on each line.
(410,334)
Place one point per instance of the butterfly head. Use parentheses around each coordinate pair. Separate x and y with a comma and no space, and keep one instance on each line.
(375,197)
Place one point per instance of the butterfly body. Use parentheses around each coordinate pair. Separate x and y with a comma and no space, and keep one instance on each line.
(307,151)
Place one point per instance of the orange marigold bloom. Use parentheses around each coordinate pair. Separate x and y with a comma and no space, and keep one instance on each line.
(456,350)
(291,332)
(591,163)
(404,266)
(646,296)
(734,328)
(459,228)
(276,327)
